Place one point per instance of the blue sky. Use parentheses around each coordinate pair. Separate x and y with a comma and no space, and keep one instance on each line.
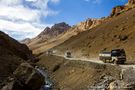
(27,18)
(74,11)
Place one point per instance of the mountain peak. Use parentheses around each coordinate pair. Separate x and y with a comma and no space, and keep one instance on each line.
(55,30)
(60,24)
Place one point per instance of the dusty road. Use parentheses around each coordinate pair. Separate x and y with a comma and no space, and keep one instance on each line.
(96,60)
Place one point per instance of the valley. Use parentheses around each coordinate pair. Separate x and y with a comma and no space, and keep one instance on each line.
(73,57)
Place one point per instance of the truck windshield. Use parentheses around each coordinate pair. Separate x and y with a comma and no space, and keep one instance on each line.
(116,53)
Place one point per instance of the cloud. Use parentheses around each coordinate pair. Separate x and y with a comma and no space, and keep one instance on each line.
(13,26)
(10,2)
(19,13)
(22,28)
(26,30)
(24,17)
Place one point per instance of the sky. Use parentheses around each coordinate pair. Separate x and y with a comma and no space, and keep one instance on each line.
(27,18)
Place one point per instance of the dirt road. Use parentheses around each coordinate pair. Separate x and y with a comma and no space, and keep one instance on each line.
(96,60)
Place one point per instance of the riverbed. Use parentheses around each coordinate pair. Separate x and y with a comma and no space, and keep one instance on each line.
(48,83)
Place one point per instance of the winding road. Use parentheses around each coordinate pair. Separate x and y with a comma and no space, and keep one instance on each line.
(96,60)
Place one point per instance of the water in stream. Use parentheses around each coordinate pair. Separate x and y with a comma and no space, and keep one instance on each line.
(48,82)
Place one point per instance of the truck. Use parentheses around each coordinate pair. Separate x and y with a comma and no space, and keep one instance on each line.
(68,54)
(116,56)
(49,52)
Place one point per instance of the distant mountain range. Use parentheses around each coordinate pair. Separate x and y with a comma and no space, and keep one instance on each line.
(59,33)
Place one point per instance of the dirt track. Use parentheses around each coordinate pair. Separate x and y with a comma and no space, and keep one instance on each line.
(96,60)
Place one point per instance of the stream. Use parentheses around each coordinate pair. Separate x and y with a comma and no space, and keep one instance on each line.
(48,82)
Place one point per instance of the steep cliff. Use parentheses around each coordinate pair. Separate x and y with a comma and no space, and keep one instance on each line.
(12,53)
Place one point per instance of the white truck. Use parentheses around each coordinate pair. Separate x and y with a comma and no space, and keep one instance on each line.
(116,56)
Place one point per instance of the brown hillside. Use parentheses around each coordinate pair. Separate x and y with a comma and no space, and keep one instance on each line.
(41,44)
(119,32)
(46,35)
(12,53)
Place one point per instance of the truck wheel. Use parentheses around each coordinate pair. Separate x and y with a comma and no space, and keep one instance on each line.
(104,60)
(122,62)
(115,62)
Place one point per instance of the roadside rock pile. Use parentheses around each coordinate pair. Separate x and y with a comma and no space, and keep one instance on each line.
(127,81)
(104,82)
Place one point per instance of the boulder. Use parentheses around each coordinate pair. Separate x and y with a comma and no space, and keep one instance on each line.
(129,75)
(29,76)
(15,85)
(121,85)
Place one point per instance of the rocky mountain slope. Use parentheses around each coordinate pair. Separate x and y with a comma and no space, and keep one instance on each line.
(53,31)
(12,53)
(26,41)
(55,36)
(118,32)
(46,35)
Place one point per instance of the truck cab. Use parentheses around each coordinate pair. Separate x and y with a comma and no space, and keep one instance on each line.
(116,56)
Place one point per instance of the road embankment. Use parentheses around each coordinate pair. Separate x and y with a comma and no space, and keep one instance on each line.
(77,74)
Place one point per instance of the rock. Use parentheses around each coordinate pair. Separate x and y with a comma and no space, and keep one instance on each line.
(15,85)
(104,82)
(123,37)
(129,75)
(88,24)
(117,10)
(121,85)
(120,9)
(131,2)
(114,85)
(127,81)
(27,75)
